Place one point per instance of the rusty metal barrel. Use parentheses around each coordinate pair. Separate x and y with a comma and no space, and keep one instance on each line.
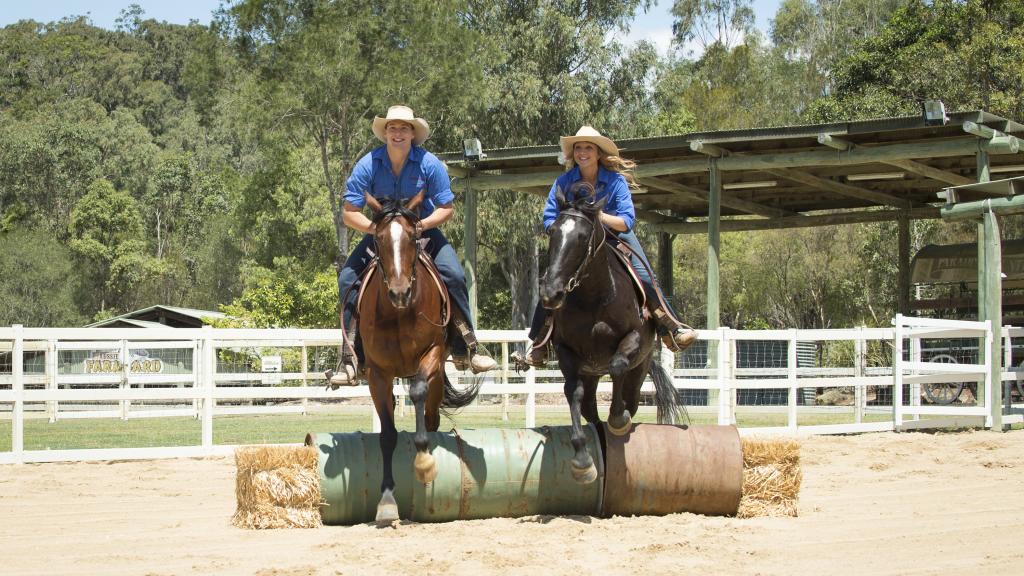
(658,469)
(482,473)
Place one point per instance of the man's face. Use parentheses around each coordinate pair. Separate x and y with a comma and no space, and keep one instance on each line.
(399,134)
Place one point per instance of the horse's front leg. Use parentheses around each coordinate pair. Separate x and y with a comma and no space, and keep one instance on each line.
(619,417)
(382,392)
(424,465)
(583,469)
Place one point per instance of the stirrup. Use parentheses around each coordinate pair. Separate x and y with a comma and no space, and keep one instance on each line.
(345,376)
(536,357)
(679,339)
(477,364)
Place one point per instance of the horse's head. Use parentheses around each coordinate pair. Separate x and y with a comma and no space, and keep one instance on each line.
(395,235)
(575,236)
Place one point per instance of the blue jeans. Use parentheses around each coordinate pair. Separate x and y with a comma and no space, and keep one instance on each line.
(647,279)
(446,260)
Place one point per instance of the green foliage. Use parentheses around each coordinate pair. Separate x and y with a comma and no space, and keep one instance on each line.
(38,280)
(966,53)
(285,297)
(106,235)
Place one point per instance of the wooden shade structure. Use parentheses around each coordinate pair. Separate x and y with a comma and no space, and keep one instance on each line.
(886,169)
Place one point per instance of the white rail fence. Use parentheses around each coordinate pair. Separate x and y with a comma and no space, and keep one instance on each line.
(102,393)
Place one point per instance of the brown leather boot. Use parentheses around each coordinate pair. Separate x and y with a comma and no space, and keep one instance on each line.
(674,335)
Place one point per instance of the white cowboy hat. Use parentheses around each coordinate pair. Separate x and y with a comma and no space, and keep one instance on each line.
(404,114)
(588,134)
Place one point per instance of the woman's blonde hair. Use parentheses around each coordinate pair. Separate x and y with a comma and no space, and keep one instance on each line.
(614,163)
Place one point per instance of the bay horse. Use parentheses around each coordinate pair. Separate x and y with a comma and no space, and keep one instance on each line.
(599,326)
(403,313)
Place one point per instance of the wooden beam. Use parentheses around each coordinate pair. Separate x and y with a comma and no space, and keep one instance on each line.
(911,166)
(692,193)
(657,217)
(806,221)
(927,171)
(841,188)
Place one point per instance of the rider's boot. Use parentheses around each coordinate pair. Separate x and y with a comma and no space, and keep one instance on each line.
(674,334)
(537,355)
(346,374)
(470,360)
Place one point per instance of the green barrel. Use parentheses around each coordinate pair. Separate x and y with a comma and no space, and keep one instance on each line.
(484,473)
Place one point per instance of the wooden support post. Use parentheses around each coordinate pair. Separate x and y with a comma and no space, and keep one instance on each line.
(903,264)
(665,271)
(993,286)
(469,250)
(714,218)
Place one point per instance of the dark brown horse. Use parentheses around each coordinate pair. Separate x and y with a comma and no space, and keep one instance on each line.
(599,327)
(402,320)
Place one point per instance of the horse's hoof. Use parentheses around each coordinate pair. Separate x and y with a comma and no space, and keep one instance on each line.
(387,509)
(425,467)
(620,430)
(387,514)
(584,475)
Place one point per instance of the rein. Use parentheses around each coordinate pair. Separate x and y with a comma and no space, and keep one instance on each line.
(592,248)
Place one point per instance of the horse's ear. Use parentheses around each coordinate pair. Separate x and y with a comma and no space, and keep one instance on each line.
(599,204)
(372,202)
(560,197)
(413,203)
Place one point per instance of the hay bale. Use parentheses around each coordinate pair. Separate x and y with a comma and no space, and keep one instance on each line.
(771,478)
(277,487)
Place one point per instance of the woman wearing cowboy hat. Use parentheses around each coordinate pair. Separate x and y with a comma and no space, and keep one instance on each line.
(594,159)
(399,170)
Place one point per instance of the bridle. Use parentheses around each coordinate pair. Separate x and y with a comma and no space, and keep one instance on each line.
(593,245)
(385,217)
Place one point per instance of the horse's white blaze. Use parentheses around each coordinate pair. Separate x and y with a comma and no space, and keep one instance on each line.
(567,226)
(396,245)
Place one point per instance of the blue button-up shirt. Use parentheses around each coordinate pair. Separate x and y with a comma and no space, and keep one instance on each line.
(609,183)
(422,170)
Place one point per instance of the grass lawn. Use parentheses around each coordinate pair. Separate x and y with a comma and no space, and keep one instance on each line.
(67,434)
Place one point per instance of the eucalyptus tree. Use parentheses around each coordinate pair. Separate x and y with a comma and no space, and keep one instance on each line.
(324,69)
(107,236)
(557,67)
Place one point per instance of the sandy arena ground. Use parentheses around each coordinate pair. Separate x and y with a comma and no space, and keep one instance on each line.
(870,504)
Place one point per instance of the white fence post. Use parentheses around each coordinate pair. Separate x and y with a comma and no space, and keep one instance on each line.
(859,364)
(531,398)
(988,382)
(791,374)
(305,370)
(209,372)
(125,361)
(897,374)
(18,387)
(726,408)
(52,407)
(915,388)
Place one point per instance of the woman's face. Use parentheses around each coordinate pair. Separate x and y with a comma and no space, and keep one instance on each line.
(585,154)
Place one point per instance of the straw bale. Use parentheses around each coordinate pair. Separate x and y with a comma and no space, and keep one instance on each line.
(771,478)
(277,487)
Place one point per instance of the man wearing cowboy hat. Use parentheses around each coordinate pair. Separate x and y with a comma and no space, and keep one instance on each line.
(399,170)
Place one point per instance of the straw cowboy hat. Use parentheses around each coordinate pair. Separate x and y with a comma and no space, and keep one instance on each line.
(588,134)
(404,114)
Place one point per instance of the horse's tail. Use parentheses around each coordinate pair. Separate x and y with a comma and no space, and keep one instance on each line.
(670,411)
(455,399)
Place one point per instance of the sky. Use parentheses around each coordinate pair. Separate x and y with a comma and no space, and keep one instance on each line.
(655,25)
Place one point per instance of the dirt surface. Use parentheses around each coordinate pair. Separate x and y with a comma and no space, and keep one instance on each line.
(870,504)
